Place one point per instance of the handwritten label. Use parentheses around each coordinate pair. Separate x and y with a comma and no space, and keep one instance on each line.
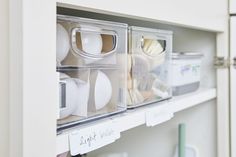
(155,117)
(92,137)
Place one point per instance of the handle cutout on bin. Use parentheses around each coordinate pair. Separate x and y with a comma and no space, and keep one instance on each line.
(93,43)
(153,47)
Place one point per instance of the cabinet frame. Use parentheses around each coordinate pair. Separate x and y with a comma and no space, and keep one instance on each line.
(34,97)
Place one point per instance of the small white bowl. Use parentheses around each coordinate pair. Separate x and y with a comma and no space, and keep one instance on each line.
(91,41)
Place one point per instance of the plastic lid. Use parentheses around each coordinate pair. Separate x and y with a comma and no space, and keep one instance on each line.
(187,54)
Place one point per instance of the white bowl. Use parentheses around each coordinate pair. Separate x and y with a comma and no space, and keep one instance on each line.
(91,42)
(103,90)
(63,43)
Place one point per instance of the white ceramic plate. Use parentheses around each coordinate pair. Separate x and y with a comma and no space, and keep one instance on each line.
(103,90)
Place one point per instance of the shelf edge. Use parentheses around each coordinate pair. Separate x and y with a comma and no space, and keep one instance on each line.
(136,117)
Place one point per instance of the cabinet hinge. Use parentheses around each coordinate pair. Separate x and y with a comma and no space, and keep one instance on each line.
(223,62)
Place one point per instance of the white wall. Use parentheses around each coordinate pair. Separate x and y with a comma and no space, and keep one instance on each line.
(4,106)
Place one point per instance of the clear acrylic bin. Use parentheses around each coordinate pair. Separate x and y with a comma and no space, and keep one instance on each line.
(186,67)
(92,61)
(149,66)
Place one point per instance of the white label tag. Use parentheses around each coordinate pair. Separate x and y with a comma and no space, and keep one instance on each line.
(92,137)
(154,117)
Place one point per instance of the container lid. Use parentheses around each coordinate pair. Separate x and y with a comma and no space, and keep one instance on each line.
(187,54)
(149,30)
(88,21)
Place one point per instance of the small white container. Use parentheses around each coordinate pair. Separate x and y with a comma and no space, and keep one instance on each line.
(186,68)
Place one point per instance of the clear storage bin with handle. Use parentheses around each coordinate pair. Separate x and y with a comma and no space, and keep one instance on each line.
(92,62)
(149,61)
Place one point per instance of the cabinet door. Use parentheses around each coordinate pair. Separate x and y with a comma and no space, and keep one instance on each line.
(232,7)
(233,84)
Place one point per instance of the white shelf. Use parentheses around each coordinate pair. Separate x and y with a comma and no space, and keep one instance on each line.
(202,20)
(137,117)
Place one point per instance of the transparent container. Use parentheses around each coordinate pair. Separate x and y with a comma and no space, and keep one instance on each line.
(186,67)
(149,66)
(92,62)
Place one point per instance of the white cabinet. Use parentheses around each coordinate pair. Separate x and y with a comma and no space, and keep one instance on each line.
(33,85)
(33,79)
(232,6)
(4,79)
(233,84)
